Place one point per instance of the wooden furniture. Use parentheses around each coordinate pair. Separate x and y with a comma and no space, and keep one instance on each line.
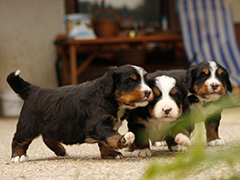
(237,30)
(100,45)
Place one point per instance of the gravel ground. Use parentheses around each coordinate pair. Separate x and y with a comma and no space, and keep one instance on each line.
(84,162)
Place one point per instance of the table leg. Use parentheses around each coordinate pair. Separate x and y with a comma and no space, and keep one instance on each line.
(86,62)
(65,67)
(73,65)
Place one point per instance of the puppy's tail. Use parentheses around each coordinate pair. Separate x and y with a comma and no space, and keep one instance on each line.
(19,86)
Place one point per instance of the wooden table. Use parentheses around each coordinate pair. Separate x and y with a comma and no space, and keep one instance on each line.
(96,46)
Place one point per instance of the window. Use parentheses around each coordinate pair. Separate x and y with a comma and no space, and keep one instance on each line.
(140,14)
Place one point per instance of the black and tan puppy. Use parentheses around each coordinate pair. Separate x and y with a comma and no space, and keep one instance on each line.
(208,82)
(89,112)
(153,122)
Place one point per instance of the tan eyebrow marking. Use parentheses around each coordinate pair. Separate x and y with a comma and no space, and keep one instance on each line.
(147,77)
(173,91)
(133,76)
(206,71)
(156,91)
(219,71)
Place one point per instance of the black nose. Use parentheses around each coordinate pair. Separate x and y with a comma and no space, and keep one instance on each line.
(166,111)
(147,93)
(214,86)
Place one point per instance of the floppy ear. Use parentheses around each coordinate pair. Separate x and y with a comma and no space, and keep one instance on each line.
(151,82)
(186,105)
(185,101)
(229,85)
(108,81)
(228,82)
(190,76)
(184,90)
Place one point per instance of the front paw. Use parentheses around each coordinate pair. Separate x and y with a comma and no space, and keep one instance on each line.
(142,153)
(183,140)
(160,143)
(128,138)
(216,142)
(178,148)
(111,154)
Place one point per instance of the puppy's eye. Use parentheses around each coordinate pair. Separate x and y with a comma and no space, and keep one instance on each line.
(202,74)
(129,80)
(221,73)
(223,76)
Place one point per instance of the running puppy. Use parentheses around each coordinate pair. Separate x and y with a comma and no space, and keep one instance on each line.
(89,112)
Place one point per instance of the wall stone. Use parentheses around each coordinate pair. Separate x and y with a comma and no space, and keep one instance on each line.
(27,34)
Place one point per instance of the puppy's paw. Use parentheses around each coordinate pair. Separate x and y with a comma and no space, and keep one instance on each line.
(160,143)
(142,153)
(183,140)
(19,158)
(111,154)
(216,142)
(178,148)
(129,138)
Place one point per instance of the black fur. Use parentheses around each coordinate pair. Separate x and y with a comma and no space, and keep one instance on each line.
(73,114)
(178,74)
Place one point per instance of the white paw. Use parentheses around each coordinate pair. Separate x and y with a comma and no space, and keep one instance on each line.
(160,143)
(183,140)
(129,137)
(142,153)
(19,159)
(178,148)
(216,142)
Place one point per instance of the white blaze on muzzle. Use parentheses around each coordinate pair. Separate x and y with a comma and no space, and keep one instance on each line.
(166,107)
(145,89)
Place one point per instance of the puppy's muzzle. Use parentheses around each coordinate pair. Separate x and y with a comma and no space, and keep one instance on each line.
(166,111)
(147,93)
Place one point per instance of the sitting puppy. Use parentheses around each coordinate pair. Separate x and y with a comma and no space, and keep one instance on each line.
(88,112)
(153,122)
(207,82)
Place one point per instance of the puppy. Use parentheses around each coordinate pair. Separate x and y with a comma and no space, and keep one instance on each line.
(208,82)
(153,122)
(89,112)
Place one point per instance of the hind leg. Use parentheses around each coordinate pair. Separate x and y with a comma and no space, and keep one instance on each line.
(19,149)
(24,135)
(116,141)
(55,146)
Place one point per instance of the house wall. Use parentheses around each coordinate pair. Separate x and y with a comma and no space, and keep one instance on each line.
(235,4)
(27,34)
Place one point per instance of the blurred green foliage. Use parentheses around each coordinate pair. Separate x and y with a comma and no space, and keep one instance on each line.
(196,159)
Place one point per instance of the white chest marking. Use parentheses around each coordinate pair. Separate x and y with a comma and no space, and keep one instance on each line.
(157,129)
